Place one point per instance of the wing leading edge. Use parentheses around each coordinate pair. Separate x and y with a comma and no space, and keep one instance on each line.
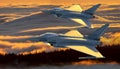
(87,50)
(85,22)
(74,33)
(75,7)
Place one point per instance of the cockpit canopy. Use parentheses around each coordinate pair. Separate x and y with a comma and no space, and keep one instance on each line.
(57,9)
(46,36)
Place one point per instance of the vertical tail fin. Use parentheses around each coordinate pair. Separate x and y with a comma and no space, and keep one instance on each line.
(99,32)
(92,9)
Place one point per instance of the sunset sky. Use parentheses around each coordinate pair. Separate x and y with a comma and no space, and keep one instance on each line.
(43,2)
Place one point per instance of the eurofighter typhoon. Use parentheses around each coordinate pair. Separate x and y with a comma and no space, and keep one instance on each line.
(75,13)
(77,41)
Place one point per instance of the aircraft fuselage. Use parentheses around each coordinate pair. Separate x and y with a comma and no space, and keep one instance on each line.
(69,14)
(61,41)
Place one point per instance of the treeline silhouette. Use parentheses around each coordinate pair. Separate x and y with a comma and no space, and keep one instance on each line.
(62,56)
(110,52)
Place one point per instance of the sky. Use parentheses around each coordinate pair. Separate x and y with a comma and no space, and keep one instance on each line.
(66,2)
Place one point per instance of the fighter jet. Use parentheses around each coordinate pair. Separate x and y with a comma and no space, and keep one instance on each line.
(75,13)
(75,40)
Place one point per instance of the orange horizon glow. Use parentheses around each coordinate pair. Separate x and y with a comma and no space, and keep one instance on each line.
(56,2)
